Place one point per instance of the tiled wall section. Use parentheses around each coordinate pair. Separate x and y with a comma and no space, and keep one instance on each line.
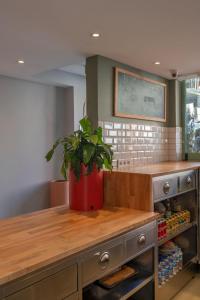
(175,143)
(137,144)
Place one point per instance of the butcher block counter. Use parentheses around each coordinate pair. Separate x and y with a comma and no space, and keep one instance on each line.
(133,186)
(162,168)
(33,241)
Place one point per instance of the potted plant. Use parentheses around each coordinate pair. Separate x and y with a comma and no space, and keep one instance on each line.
(85,155)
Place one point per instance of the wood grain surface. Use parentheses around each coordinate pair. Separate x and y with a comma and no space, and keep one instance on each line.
(30,242)
(128,190)
(160,169)
(132,186)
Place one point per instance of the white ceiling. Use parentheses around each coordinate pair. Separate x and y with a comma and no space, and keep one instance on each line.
(51,34)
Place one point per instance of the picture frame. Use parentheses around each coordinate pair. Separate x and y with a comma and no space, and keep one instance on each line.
(139,97)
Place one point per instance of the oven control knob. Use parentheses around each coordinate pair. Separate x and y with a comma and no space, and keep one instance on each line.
(188,180)
(166,187)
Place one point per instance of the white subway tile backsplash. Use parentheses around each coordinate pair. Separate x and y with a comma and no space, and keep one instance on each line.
(128,126)
(134,126)
(134,140)
(140,127)
(134,154)
(121,133)
(117,140)
(127,140)
(129,147)
(105,132)
(145,134)
(112,132)
(108,125)
(115,163)
(140,141)
(114,147)
(129,133)
(121,148)
(154,128)
(108,140)
(136,133)
(147,127)
(140,153)
(117,125)
(139,144)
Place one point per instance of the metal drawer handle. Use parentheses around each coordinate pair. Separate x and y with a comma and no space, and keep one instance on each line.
(166,187)
(188,180)
(104,258)
(141,239)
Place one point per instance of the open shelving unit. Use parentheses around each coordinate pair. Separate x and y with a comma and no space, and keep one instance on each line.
(184,236)
(176,232)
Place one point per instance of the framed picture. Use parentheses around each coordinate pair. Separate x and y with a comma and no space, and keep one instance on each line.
(139,97)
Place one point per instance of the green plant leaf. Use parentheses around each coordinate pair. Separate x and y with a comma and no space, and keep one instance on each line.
(99,162)
(84,146)
(88,152)
(107,164)
(99,133)
(74,141)
(93,139)
(64,170)
(86,125)
(76,166)
(49,155)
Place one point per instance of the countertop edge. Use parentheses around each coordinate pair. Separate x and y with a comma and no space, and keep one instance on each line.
(71,255)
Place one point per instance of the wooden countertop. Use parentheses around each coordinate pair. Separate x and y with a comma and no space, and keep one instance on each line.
(32,241)
(163,168)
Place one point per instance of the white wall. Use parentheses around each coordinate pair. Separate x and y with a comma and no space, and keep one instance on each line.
(32,116)
(78,83)
(69,110)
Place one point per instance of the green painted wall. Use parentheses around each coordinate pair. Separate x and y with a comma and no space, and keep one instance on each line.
(92,89)
(100,90)
(175,107)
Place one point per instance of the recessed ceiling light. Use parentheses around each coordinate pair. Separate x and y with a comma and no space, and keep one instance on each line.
(157,63)
(95,35)
(20,61)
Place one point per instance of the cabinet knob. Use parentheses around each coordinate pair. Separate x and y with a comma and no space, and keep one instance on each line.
(104,258)
(166,187)
(188,180)
(141,239)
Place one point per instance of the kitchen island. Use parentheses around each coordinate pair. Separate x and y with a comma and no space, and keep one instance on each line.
(37,245)
(59,254)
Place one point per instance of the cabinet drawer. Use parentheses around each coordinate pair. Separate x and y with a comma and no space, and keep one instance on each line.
(164,187)
(55,287)
(187,181)
(101,260)
(140,239)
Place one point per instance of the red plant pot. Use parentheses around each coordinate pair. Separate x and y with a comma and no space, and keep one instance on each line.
(86,193)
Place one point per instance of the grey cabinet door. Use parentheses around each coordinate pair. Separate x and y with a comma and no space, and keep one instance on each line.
(55,287)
